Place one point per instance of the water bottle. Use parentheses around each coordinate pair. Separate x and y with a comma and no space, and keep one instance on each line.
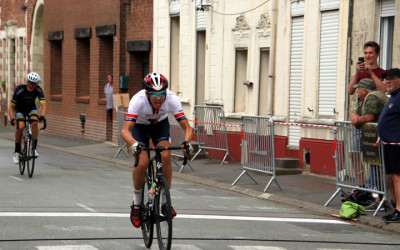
(153,189)
(151,193)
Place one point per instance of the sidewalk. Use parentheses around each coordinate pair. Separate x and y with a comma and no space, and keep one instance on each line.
(307,191)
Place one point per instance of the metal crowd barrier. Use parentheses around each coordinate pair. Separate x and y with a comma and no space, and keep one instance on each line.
(211,129)
(355,169)
(177,136)
(258,147)
(120,122)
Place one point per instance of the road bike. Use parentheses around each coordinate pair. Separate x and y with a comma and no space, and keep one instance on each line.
(27,156)
(154,187)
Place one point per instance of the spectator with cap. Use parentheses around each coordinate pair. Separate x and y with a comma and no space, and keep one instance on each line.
(372,101)
(389,132)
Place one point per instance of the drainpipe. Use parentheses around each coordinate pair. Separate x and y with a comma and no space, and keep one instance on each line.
(271,66)
(348,58)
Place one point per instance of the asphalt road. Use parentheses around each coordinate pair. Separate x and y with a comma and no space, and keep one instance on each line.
(78,203)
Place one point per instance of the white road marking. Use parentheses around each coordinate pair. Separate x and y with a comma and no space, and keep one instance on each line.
(178,247)
(86,207)
(67,247)
(256,248)
(179,216)
(250,218)
(16,178)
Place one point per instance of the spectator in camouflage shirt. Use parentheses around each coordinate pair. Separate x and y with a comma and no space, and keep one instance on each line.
(372,101)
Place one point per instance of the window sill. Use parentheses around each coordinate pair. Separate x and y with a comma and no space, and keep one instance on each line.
(102,101)
(56,97)
(82,99)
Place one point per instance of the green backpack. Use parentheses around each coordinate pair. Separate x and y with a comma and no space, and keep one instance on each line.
(351,210)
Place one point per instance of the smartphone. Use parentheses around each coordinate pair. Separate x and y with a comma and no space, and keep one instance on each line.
(361,59)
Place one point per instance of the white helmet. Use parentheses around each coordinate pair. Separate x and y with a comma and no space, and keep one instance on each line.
(155,82)
(33,77)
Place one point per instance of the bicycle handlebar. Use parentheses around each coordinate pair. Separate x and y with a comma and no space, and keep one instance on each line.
(30,121)
(160,149)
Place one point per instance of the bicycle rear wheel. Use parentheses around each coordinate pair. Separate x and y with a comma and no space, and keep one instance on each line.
(163,218)
(30,157)
(21,163)
(148,214)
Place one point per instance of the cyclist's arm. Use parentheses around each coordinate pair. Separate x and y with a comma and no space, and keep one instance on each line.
(44,108)
(188,130)
(126,133)
(11,111)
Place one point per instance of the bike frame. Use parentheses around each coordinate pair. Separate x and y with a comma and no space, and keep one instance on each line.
(152,214)
(27,139)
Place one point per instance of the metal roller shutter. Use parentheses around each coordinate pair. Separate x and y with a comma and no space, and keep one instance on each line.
(328,63)
(201,16)
(296,65)
(329,5)
(388,8)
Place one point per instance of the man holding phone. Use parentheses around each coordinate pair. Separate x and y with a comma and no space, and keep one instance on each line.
(367,67)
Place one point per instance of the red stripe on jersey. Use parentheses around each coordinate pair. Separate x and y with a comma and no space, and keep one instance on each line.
(132,116)
(179,115)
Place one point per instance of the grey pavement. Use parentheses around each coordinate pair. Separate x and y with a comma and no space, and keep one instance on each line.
(307,191)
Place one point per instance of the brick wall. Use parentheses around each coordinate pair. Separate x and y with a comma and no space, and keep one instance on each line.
(107,55)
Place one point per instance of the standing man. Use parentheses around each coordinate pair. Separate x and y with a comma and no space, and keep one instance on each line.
(389,132)
(368,68)
(23,105)
(108,91)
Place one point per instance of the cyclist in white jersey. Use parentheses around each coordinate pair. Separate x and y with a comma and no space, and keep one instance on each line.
(147,117)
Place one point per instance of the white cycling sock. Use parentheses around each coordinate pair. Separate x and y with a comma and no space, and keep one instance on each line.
(137,198)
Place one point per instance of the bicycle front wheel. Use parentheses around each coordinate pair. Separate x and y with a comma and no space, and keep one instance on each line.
(148,214)
(163,215)
(30,157)
(22,162)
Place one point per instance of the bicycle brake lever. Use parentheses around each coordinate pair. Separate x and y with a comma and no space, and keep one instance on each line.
(44,125)
(139,149)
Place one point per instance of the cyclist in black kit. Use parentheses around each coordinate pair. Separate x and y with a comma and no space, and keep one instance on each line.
(23,105)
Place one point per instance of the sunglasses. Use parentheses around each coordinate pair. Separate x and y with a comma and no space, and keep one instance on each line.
(155,94)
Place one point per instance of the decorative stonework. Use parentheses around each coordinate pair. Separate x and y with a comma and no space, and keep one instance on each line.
(264,21)
(264,25)
(241,32)
(241,24)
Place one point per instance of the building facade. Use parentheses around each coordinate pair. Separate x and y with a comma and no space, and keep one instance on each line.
(288,59)
(73,48)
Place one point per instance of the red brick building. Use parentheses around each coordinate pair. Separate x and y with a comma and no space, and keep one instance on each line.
(81,43)
(21,34)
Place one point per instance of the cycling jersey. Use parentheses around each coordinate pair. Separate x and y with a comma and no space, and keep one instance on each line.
(24,100)
(141,112)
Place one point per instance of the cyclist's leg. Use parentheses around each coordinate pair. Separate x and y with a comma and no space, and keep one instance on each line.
(139,132)
(19,132)
(166,162)
(160,136)
(33,114)
(138,175)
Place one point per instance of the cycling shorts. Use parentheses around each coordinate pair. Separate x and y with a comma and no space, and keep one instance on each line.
(157,132)
(19,115)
